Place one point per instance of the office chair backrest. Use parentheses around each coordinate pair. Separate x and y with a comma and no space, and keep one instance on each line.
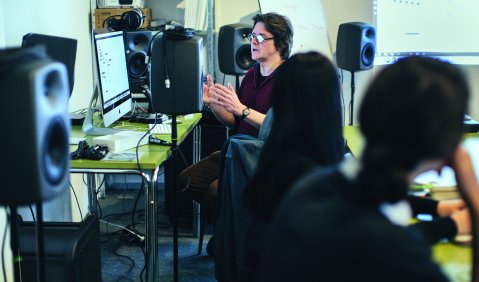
(266,126)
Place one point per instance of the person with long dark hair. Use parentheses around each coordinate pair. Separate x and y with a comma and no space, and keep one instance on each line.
(351,223)
(306,132)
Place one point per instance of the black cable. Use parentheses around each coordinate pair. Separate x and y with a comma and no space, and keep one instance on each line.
(107,234)
(100,213)
(351,105)
(14,237)
(31,211)
(124,194)
(84,151)
(144,265)
(78,203)
(127,273)
(136,202)
(93,188)
(147,133)
(3,248)
(121,214)
(40,243)
(139,141)
(148,52)
(167,76)
(342,98)
(186,164)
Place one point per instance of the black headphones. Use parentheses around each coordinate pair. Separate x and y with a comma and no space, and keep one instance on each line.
(179,33)
(130,20)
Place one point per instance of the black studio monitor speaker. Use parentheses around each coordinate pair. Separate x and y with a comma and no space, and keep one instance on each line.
(36,126)
(60,49)
(355,46)
(136,47)
(72,251)
(234,49)
(176,80)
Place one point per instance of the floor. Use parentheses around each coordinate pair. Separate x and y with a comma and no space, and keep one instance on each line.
(121,255)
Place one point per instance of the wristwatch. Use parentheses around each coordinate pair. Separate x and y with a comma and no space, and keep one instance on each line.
(245,113)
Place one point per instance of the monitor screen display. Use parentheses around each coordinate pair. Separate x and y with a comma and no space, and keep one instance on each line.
(113,76)
(443,29)
(59,49)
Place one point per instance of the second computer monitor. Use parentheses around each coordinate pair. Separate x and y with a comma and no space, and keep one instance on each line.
(112,72)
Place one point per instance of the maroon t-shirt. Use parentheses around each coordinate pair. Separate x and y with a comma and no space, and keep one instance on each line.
(254,95)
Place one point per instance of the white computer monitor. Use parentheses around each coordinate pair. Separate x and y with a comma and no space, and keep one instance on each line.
(112,72)
(113,88)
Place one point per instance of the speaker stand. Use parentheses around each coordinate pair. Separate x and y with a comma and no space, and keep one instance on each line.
(40,243)
(174,214)
(14,243)
(351,104)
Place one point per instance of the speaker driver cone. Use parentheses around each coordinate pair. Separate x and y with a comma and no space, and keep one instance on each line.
(367,55)
(55,154)
(137,65)
(140,42)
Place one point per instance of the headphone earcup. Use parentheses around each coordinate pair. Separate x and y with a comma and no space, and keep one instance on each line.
(132,19)
(114,24)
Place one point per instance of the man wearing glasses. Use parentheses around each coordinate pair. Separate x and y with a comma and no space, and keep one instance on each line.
(271,42)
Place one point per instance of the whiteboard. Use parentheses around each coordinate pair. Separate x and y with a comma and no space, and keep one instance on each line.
(307,19)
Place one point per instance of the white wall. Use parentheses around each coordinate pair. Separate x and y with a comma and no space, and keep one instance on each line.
(54,17)
(339,11)
(336,12)
(60,18)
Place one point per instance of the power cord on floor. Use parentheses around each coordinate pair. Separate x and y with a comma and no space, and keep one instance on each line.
(132,266)
(141,238)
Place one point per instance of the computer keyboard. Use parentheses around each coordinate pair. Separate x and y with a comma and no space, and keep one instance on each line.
(162,128)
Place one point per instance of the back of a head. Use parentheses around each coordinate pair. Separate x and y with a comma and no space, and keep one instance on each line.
(307,124)
(307,104)
(412,111)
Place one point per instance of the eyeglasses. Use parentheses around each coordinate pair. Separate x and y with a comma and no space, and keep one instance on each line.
(259,38)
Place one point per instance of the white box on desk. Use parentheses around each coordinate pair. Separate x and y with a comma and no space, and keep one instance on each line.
(121,141)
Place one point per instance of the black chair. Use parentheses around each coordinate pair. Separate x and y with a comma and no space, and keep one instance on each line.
(239,158)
